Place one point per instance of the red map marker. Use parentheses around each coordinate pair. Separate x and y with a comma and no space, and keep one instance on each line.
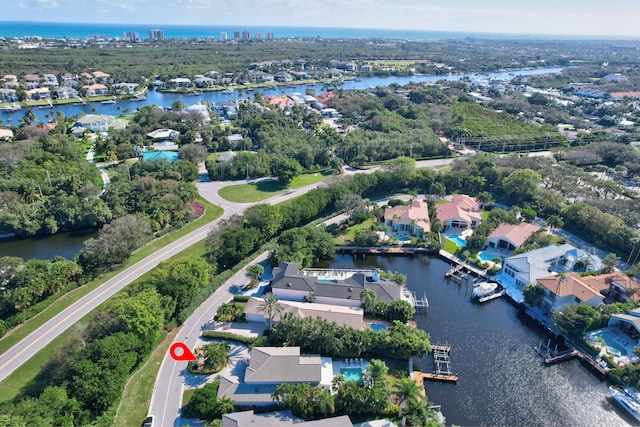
(180,352)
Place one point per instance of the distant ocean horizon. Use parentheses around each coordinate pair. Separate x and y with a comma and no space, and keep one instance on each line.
(50,30)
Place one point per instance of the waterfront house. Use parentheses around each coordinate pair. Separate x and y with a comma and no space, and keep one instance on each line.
(412,219)
(38,94)
(10,78)
(523,269)
(337,287)
(340,315)
(64,92)
(571,289)
(126,88)
(181,82)
(8,95)
(95,122)
(286,419)
(366,68)
(283,77)
(96,89)
(461,213)
(269,367)
(510,237)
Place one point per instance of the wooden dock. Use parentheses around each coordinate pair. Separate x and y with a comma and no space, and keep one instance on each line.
(462,265)
(441,348)
(562,356)
(442,363)
(440,377)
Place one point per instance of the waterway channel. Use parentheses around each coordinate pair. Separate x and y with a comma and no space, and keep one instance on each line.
(166,99)
(62,244)
(502,379)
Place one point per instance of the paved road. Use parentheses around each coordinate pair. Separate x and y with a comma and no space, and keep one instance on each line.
(34,342)
(166,400)
(38,339)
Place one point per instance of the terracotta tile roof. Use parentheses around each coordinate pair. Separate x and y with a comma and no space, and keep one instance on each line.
(279,101)
(418,211)
(630,94)
(462,206)
(516,234)
(585,288)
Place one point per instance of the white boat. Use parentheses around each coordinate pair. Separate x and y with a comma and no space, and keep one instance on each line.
(11,108)
(484,289)
(628,399)
(227,91)
(109,101)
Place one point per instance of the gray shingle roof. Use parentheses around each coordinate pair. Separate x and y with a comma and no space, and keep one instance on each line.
(289,276)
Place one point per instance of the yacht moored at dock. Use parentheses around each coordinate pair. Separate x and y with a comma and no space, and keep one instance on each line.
(484,289)
(628,399)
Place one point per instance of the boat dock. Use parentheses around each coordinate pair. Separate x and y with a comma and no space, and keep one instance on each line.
(492,296)
(442,363)
(551,357)
(461,266)
(420,304)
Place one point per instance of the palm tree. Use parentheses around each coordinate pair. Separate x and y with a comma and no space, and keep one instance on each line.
(226,405)
(271,306)
(409,395)
(376,372)
(326,402)
(367,298)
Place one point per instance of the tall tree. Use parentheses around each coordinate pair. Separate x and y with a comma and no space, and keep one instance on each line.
(271,306)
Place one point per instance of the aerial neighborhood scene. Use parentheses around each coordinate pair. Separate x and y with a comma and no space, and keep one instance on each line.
(319,214)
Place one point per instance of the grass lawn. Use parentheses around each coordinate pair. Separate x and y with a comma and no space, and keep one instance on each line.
(186,396)
(65,301)
(343,239)
(246,193)
(136,398)
(484,215)
(309,178)
(450,246)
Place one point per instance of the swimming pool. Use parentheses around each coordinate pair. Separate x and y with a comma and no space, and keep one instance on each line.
(403,238)
(351,374)
(486,256)
(378,327)
(609,341)
(458,240)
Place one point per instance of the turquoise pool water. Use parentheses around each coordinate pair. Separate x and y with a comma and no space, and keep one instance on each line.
(486,256)
(458,240)
(377,327)
(351,374)
(403,238)
(609,340)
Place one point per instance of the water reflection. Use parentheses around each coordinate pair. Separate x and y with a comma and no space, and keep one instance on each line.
(502,379)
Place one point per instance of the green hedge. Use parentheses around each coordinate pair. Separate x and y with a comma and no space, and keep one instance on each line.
(228,336)
(241,298)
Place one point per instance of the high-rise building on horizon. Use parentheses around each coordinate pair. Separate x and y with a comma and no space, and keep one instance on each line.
(236,34)
(269,35)
(156,34)
(246,35)
(258,36)
(131,35)
(223,36)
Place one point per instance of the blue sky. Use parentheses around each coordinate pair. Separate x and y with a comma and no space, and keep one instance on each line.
(579,17)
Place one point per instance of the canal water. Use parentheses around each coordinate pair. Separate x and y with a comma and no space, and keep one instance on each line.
(502,379)
(166,99)
(63,244)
